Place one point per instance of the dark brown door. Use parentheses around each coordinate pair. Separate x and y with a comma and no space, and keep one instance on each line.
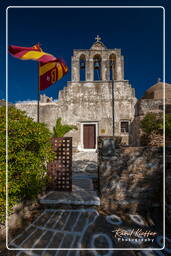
(89,136)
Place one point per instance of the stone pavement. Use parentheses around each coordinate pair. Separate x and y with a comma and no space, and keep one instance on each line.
(83,156)
(82,228)
(85,162)
(55,229)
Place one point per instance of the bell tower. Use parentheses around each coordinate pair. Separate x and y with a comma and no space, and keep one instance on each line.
(98,99)
(97,64)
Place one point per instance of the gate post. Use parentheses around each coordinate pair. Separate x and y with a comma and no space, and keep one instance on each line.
(106,149)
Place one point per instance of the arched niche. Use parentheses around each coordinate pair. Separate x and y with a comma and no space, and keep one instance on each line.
(82,67)
(97,67)
(112,66)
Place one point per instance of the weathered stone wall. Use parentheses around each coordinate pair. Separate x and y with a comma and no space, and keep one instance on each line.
(87,101)
(90,100)
(143,107)
(149,105)
(135,132)
(105,55)
(168,185)
(131,181)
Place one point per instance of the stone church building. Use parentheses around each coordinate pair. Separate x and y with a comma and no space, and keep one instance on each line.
(96,97)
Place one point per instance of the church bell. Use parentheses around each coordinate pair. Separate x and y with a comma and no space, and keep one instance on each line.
(82,65)
(96,65)
(112,63)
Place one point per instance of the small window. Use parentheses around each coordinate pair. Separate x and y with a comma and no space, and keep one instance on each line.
(124,126)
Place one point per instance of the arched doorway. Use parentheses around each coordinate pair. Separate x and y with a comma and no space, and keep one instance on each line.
(112,65)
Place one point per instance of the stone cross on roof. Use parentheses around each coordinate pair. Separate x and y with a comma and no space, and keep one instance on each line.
(98,45)
(98,38)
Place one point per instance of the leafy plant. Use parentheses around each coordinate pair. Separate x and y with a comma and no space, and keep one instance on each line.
(168,125)
(61,129)
(29,151)
(152,123)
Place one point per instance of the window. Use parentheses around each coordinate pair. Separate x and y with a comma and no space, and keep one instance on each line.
(124,126)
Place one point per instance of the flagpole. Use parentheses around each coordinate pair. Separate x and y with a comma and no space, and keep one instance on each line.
(38,94)
(113,109)
(113,106)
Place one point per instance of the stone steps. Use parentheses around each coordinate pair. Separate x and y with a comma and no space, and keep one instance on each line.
(77,198)
(82,194)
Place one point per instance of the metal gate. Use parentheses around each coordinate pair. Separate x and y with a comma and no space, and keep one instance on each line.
(60,170)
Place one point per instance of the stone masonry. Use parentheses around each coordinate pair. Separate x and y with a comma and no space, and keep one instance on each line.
(168,186)
(89,101)
(132,180)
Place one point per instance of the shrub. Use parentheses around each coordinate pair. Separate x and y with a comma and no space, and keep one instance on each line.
(60,130)
(29,151)
(152,126)
(168,125)
(152,123)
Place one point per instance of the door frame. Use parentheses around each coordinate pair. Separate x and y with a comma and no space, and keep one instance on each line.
(82,135)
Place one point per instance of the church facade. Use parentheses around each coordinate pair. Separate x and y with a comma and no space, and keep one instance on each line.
(98,100)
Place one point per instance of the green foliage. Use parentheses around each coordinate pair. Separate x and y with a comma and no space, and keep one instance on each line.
(29,151)
(60,130)
(152,123)
(168,125)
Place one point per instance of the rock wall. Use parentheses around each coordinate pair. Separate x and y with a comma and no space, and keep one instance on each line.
(131,181)
(168,185)
(149,105)
(142,107)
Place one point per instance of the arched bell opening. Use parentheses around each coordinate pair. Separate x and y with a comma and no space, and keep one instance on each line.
(97,67)
(82,67)
(112,65)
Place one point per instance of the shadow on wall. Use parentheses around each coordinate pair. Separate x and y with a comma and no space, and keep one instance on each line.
(132,181)
(135,131)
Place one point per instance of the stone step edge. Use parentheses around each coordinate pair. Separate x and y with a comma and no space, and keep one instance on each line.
(95,202)
(83,177)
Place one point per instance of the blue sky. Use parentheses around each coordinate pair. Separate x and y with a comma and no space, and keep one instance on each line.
(138,32)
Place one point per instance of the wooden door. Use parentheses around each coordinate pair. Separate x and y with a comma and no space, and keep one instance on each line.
(89,136)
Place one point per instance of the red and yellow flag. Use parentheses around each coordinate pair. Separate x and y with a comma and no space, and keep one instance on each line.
(30,53)
(51,69)
(51,72)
